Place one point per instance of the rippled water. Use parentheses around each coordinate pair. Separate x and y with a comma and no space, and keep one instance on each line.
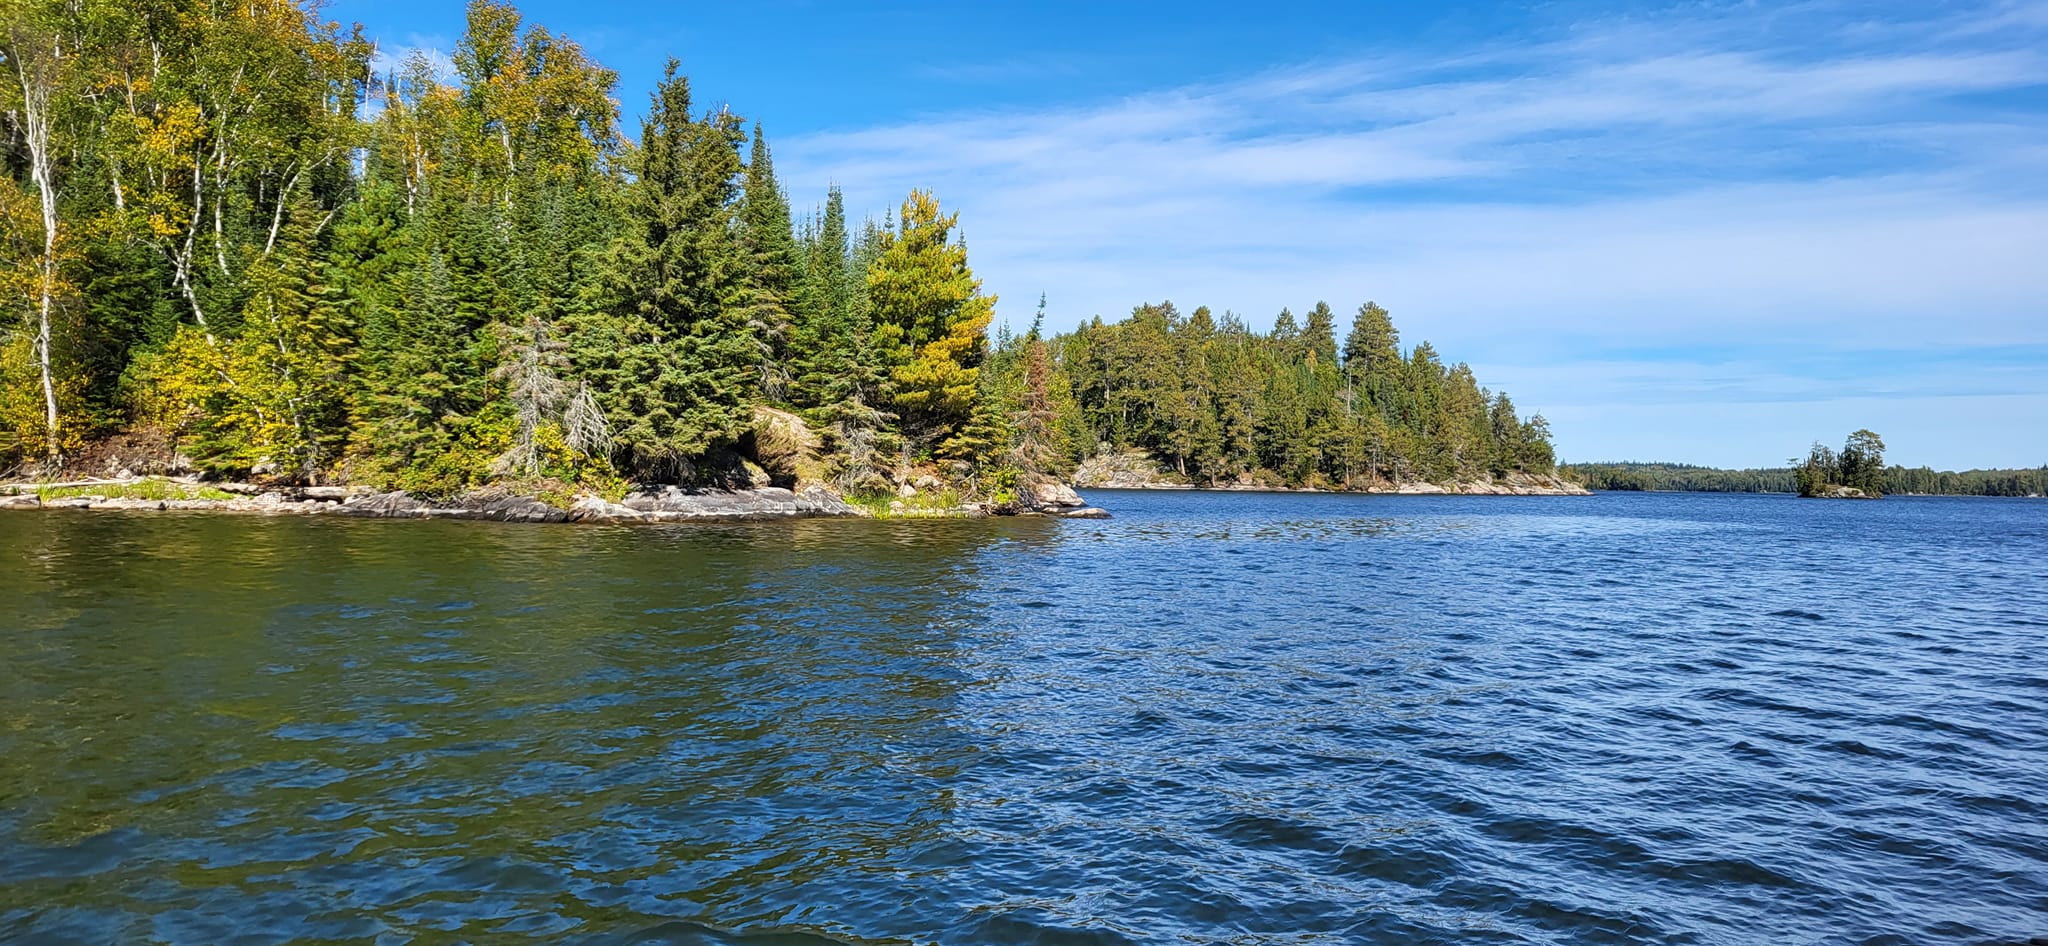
(1214,719)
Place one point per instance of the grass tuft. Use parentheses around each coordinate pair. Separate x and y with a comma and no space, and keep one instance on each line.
(151,489)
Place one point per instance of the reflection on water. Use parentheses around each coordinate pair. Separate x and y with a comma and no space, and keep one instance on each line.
(1213,719)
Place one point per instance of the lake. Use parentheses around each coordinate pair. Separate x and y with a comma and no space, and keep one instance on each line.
(1216,718)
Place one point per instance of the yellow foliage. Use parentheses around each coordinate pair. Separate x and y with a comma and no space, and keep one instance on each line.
(23,418)
(172,386)
(931,316)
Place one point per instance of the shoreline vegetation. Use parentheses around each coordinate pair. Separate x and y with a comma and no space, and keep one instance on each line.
(1633,476)
(1042,497)
(238,253)
(1140,470)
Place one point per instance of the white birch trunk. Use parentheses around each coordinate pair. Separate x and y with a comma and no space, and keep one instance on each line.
(35,98)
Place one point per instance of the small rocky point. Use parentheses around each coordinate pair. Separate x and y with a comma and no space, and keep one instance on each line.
(1038,496)
(1844,492)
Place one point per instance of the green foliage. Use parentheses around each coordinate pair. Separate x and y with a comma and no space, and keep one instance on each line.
(153,489)
(673,360)
(1220,403)
(931,326)
(1920,481)
(772,270)
(1860,466)
(1637,477)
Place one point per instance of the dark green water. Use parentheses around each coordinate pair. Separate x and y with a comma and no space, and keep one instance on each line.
(1215,719)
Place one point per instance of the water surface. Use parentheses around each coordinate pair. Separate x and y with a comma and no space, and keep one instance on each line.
(1214,719)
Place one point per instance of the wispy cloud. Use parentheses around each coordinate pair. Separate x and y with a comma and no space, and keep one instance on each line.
(391,59)
(1808,175)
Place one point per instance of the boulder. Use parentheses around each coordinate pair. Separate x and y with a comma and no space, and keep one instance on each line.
(787,448)
(502,508)
(392,505)
(1134,469)
(599,509)
(1040,492)
(772,502)
(489,507)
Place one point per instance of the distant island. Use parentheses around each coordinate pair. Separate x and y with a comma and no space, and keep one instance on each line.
(1856,472)
(1822,467)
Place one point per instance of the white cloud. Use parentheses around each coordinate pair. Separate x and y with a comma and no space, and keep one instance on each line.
(1629,186)
(391,60)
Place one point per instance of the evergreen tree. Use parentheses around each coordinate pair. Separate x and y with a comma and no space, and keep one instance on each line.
(280,409)
(772,269)
(676,370)
(931,321)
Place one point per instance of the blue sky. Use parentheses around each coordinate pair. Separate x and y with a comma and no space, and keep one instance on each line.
(1701,232)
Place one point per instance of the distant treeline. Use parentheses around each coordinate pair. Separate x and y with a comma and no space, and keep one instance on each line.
(1221,402)
(1897,480)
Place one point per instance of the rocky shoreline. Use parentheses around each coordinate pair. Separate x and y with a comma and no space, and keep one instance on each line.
(1842,492)
(1044,497)
(1140,471)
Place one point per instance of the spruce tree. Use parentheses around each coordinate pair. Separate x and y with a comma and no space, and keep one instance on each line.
(675,374)
(772,270)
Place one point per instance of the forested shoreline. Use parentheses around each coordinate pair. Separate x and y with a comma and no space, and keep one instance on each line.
(1921,481)
(231,241)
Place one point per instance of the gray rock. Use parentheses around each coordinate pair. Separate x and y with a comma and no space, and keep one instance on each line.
(771,502)
(1133,469)
(120,503)
(502,509)
(489,507)
(1044,493)
(1085,512)
(393,505)
(599,509)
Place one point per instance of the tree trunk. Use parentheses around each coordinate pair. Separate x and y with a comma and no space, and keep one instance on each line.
(35,98)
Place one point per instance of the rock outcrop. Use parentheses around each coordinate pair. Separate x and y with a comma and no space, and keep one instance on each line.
(1045,496)
(1132,469)
(1041,494)
(673,503)
(1832,491)
(489,507)
(1523,484)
